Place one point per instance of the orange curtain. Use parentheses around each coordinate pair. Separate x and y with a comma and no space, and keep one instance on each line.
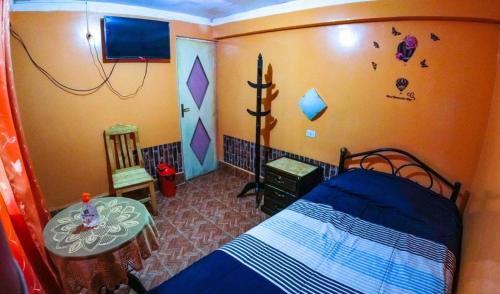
(22,209)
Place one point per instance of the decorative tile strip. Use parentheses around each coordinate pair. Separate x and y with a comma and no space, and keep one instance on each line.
(169,153)
(240,153)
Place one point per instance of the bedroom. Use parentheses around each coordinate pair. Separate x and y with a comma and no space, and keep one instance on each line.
(419,76)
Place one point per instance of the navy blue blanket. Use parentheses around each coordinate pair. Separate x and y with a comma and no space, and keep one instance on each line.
(363,231)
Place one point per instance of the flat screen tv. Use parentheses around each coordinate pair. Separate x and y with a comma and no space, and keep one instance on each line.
(135,40)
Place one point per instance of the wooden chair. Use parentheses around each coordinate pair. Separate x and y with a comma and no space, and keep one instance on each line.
(125,159)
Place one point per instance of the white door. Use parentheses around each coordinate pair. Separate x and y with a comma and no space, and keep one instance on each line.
(196,86)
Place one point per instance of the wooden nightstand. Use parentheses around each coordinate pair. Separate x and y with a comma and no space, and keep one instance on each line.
(286,180)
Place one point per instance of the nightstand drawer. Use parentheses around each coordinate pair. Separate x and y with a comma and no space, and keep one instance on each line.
(286,180)
(281,181)
(271,207)
(278,196)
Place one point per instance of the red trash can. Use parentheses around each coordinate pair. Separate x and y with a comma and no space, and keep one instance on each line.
(166,179)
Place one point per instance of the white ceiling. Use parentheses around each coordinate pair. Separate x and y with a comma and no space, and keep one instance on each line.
(204,8)
(198,11)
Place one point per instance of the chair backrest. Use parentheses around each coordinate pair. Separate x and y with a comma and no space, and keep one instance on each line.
(123,147)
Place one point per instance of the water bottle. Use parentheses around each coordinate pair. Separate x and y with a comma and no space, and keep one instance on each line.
(90,216)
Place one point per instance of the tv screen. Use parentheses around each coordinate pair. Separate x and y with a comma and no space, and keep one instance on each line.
(132,39)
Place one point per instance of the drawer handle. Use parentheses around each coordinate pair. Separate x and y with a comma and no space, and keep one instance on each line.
(280,195)
(280,180)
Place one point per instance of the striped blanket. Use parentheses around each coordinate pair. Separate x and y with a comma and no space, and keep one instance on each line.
(361,232)
(311,248)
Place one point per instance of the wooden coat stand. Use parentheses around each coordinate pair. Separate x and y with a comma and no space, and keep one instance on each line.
(256,185)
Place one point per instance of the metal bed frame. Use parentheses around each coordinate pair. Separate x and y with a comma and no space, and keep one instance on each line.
(385,155)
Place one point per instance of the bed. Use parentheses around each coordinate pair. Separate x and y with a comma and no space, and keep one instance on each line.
(363,231)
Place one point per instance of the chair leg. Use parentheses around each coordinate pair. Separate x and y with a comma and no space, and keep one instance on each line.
(152,195)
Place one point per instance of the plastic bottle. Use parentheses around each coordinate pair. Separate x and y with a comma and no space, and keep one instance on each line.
(90,216)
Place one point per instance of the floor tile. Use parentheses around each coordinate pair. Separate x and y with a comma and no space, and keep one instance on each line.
(204,215)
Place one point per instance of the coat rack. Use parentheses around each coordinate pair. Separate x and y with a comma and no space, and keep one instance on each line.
(256,185)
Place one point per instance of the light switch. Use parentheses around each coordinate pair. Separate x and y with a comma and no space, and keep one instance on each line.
(311,133)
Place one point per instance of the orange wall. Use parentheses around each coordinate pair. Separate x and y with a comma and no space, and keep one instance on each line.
(481,241)
(64,132)
(444,126)
(453,120)
(368,11)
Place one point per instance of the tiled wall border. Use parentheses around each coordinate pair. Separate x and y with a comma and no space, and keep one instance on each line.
(240,153)
(237,152)
(170,153)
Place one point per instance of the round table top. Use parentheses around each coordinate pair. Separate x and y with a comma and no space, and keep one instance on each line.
(121,219)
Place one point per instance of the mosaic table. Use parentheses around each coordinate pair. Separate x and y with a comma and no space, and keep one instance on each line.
(102,256)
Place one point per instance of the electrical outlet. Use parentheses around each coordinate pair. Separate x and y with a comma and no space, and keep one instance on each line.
(311,133)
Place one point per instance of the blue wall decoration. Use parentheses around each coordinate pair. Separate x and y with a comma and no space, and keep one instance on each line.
(311,104)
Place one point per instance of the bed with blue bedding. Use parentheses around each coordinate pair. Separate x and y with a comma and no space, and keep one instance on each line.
(363,231)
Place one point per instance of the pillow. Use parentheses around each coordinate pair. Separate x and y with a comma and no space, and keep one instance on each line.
(387,190)
(311,104)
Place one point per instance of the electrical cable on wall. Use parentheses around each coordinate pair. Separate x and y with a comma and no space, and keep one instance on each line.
(100,66)
(106,78)
(68,89)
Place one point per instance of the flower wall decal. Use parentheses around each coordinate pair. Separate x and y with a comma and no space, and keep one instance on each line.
(407,48)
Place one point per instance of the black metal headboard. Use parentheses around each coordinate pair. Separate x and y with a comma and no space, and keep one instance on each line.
(412,161)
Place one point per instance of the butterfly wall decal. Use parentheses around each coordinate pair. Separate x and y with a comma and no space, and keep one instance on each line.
(434,37)
(376,45)
(423,63)
(374,65)
(395,32)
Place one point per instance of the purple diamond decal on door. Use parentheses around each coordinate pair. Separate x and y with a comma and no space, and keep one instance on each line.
(200,142)
(197,82)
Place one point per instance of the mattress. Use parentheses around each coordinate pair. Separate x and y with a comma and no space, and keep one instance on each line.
(361,232)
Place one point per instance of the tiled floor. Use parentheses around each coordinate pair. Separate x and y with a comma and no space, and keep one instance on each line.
(204,215)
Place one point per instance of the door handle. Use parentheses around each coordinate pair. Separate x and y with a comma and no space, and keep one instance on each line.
(184,110)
